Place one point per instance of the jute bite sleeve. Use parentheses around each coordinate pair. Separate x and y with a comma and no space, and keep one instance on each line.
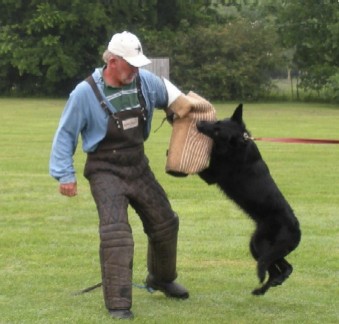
(189,150)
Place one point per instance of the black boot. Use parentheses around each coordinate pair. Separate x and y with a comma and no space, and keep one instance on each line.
(170,289)
(121,313)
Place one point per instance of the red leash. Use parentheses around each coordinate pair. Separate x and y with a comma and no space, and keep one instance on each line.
(297,140)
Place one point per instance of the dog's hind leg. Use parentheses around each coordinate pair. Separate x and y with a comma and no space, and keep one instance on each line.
(253,250)
(268,254)
(262,267)
(274,272)
(256,251)
(278,273)
(285,271)
(282,269)
(261,250)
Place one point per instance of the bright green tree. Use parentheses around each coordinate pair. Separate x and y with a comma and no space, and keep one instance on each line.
(46,46)
(233,61)
(312,28)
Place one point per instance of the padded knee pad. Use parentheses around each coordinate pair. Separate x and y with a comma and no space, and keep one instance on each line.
(162,251)
(116,258)
(164,231)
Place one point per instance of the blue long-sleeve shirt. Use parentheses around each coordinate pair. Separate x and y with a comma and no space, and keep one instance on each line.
(84,115)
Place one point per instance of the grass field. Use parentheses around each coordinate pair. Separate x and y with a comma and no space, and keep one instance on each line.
(49,243)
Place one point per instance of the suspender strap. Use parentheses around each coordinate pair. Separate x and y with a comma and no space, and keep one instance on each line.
(140,95)
(97,93)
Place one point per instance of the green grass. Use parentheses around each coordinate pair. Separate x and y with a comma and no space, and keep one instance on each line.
(49,243)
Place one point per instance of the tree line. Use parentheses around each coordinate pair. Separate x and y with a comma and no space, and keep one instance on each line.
(224,50)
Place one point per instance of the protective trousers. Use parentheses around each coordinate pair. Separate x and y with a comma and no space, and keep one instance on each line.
(120,177)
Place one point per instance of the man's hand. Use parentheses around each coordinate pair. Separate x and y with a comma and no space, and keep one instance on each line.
(68,189)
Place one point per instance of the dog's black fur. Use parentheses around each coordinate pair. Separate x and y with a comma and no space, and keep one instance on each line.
(237,167)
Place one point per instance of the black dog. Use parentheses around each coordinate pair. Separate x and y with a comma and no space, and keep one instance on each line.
(237,167)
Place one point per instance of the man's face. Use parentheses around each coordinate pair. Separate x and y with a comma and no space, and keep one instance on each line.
(124,72)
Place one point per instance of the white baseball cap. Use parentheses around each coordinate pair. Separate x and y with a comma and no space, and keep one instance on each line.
(128,46)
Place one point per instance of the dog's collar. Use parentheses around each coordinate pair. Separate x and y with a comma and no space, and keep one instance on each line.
(247,137)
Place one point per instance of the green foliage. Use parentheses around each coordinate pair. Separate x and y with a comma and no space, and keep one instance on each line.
(51,46)
(47,47)
(49,243)
(221,49)
(312,28)
(333,85)
(230,61)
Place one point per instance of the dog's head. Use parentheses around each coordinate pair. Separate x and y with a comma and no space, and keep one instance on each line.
(226,134)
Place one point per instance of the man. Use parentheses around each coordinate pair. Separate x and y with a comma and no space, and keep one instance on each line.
(113,133)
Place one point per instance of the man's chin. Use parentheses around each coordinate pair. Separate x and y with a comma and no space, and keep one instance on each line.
(130,79)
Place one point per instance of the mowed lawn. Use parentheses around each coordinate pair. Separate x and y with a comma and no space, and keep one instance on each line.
(49,243)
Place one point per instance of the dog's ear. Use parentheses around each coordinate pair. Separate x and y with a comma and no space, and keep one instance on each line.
(237,115)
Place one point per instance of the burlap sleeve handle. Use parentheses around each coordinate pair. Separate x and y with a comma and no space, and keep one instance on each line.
(180,106)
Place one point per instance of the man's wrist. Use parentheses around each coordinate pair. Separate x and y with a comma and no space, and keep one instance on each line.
(67,179)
